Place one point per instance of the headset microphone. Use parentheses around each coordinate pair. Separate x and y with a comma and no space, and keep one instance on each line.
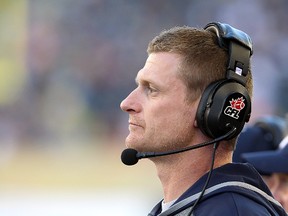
(131,156)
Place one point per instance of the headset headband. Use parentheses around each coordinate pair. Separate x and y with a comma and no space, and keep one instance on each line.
(239,46)
(226,103)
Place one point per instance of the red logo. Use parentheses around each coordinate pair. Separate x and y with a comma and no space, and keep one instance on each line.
(235,107)
(237,104)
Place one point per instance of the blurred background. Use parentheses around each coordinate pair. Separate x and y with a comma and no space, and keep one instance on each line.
(65,66)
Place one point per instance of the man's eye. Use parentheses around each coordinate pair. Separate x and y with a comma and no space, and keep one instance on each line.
(150,89)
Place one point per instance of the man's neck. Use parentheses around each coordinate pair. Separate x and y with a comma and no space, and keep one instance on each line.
(178,173)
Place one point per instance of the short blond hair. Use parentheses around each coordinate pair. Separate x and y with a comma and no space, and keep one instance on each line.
(203,61)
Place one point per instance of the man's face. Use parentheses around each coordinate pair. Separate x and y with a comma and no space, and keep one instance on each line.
(278,184)
(160,117)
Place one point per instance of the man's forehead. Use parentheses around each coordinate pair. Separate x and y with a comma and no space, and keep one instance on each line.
(162,62)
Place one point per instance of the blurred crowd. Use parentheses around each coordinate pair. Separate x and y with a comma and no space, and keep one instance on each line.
(264,144)
(81,57)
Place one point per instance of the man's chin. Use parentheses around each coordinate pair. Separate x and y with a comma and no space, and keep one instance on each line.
(133,143)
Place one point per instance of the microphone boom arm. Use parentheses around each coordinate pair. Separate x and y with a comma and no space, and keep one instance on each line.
(141,155)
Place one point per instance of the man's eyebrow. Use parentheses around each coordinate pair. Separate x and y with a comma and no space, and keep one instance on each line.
(138,81)
(144,82)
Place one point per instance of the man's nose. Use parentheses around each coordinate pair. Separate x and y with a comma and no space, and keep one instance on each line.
(131,103)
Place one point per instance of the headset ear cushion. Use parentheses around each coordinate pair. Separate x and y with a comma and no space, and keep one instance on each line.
(204,104)
(224,104)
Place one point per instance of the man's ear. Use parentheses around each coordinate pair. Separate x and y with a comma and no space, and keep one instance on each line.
(196,104)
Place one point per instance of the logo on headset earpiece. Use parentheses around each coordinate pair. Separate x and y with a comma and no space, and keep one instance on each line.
(234,108)
(226,103)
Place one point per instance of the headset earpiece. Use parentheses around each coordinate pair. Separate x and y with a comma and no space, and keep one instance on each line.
(226,103)
(223,105)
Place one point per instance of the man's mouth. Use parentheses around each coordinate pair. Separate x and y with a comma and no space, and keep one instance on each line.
(135,124)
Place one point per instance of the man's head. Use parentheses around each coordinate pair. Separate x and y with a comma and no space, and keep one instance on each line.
(265,134)
(203,62)
(181,63)
(263,144)
(272,161)
(273,165)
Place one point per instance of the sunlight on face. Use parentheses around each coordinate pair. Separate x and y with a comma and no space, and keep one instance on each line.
(159,114)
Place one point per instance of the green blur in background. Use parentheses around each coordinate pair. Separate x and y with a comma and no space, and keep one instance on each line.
(65,66)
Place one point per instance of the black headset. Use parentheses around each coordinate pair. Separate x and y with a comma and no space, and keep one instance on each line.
(226,103)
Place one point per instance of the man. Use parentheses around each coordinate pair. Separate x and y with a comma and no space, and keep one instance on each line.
(265,134)
(273,166)
(264,145)
(193,91)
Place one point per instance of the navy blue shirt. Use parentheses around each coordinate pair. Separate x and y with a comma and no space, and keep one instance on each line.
(234,189)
